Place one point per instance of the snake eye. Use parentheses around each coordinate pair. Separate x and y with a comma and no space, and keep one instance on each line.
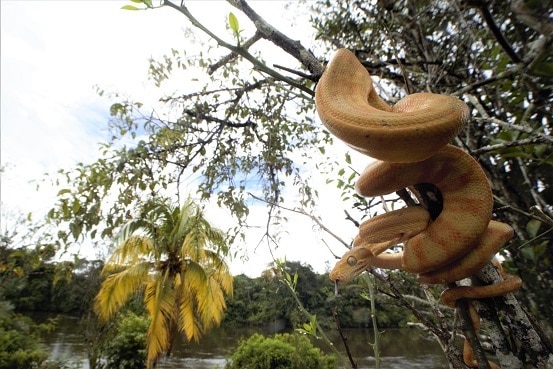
(352,261)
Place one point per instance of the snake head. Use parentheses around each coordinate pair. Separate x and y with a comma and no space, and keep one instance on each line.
(353,263)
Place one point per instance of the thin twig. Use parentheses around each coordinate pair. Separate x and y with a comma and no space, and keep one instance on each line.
(526,141)
(293,71)
(506,73)
(488,18)
(344,339)
(304,213)
(506,125)
(230,57)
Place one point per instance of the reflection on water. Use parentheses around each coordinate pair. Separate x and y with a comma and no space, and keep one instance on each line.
(66,342)
(400,348)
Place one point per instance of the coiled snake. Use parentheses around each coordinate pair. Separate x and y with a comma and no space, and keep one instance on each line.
(410,140)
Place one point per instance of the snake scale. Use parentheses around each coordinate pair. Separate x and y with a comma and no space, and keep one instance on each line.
(410,141)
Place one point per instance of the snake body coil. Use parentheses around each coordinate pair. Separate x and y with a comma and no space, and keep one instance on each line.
(411,141)
(413,129)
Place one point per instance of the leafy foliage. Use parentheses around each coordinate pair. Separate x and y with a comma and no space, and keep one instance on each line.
(283,351)
(233,136)
(127,350)
(31,281)
(175,258)
(19,341)
(265,299)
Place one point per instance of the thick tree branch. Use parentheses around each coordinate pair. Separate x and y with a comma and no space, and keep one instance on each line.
(292,47)
(516,320)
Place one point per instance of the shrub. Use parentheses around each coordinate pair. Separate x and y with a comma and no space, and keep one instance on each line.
(283,351)
(127,350)
(19,340)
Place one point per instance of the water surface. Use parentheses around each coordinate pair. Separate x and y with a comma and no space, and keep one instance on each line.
(400,348)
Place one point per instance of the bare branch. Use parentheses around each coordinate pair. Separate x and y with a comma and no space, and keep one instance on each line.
(506,73)
(303,212)
(526,141)
(344,339)
(230,57)
(506,125)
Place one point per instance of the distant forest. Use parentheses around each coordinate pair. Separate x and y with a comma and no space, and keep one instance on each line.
(37,284)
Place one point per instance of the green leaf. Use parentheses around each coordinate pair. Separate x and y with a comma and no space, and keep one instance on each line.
(544,69)
(348,158)
(532,227)
(539,150)
(76,206)
(233,23)
(129,7)
(64,191)
(528,253)
(508,135)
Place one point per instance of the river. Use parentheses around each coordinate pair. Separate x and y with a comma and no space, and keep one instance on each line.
(400,348)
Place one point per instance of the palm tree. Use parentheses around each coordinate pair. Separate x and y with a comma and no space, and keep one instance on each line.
(176,259)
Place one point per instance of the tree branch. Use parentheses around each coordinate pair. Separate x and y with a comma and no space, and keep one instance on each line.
(506,73)
(238,50)
(312,217)
(488,18)
(230,57)
(292,47)
(526,141)
(515,318)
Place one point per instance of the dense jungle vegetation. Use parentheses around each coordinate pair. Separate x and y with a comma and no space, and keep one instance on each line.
(32,282)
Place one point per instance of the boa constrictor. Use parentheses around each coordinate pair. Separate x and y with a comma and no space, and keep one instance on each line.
(410,140)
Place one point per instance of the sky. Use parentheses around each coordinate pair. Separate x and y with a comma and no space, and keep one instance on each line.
(55,53)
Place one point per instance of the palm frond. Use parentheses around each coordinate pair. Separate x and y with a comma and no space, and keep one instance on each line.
(211,304)
(194,276)
(188,321)
(129,229)
(218,269)
(184,217)
(117,288)
(134,249)
(159,297)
